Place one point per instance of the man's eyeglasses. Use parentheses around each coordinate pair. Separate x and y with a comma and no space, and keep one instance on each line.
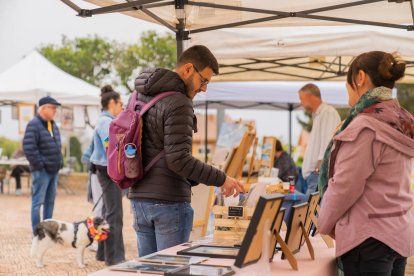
(204,80)
(52,107)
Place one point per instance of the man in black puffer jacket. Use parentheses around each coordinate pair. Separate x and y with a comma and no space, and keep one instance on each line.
(163,216)
(41,145)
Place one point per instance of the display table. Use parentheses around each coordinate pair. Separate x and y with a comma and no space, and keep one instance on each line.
(15,162)
(323,265)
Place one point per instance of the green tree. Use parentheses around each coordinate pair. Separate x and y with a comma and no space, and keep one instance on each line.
(152,51)
(89,58)
(405,95)
(98,60)
(306,125)
(8,146)
(76,151)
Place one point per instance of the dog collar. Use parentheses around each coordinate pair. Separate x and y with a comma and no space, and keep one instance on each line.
(94,234)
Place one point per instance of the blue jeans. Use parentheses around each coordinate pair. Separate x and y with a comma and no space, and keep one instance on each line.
(44,193)
(312,182)
(161,226)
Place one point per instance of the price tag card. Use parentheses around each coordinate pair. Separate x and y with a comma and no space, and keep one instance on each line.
(236,211)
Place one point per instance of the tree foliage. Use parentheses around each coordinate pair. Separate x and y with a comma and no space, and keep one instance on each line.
(306,124)
(405,95)
(8,146)
(100,61)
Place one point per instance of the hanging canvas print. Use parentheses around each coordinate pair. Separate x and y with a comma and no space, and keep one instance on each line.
(26,113)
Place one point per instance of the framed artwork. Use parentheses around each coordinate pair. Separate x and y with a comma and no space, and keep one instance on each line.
(67,118)
(277,226)
(231,134)
(267,208)
(172,259)
(268,156)
(221,252)
(313,201)
(294,231)
(26,113)
(15,112)
(143,268)
(202,270)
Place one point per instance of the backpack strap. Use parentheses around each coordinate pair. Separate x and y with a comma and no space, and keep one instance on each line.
(155,100)
(156,158)
(142,112)
(133,101)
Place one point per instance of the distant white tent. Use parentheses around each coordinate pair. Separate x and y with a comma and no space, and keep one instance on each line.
(269,94)
(35,77)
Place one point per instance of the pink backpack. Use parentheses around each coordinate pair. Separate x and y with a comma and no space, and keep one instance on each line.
(124,145)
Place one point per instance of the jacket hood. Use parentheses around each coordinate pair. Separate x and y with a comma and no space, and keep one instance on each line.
(393,125)
(153,81)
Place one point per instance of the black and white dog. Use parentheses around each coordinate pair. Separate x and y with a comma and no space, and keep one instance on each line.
(75,235)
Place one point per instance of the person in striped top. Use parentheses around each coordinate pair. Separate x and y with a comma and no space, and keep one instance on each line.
(325,120)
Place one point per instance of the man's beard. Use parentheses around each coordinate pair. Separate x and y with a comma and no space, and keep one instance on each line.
(190,87)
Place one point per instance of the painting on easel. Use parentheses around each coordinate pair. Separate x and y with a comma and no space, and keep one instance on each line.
(268,155)
(230,136)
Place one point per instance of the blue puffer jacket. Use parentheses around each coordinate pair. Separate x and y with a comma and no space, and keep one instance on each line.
(42,150)
(101,131)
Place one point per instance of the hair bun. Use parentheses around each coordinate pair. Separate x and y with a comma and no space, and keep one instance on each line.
(106,89)
(392,67)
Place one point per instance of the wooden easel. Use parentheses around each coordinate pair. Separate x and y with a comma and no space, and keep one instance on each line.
(289,255)
(236,166)
(328,240)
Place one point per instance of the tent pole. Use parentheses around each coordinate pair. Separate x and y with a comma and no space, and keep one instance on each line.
(206,136)
(181,34)
(290,129)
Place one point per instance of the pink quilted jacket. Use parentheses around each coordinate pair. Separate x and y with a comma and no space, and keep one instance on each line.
(369,191)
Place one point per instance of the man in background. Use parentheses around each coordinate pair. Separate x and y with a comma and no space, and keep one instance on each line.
(41,144)
(325,120)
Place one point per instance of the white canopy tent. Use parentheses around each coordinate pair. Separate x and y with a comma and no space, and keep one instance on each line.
(300,53)
(35,77)
(185,17)
(276,95)
(188,18)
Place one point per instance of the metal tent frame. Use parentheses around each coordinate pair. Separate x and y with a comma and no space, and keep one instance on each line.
(182,34)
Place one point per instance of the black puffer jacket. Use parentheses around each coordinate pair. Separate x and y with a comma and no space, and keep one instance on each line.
(168,126)
(41,149)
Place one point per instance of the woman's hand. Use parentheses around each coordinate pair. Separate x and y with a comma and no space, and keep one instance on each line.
(230,185)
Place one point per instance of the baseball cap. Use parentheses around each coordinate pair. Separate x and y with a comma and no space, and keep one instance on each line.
(48,100)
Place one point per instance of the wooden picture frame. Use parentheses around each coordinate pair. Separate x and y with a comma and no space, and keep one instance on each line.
(294,233)
(313,201)
(268,155)
(201,270)
(172,259)
(267,208)
(211,251)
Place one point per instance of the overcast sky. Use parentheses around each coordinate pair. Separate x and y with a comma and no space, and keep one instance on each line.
(28,24)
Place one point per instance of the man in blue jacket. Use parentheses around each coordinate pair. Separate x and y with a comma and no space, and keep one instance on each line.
(41,144)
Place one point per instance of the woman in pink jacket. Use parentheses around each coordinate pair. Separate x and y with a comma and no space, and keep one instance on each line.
(365,174)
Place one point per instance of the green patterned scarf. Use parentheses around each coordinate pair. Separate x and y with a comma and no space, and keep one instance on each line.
(373,96)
